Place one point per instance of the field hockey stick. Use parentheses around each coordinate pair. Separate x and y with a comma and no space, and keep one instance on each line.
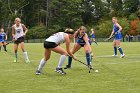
(85,65)
(109,38)
(95,42)
(10,42)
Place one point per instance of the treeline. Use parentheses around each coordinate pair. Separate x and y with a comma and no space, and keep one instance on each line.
(44,17)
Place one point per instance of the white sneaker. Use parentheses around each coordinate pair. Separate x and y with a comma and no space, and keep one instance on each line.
(122,56)
(114,55)
(28,61)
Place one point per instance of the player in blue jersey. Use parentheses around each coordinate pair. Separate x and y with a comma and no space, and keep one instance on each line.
(117,37)
(3,37)
(93,36)
(81,40)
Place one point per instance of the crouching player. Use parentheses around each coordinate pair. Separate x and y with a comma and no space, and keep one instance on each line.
(3,37)
(81,40)
(52,44)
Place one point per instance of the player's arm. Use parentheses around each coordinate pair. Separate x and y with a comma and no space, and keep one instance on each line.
(5,36)
(92,32)
(120,28)
(87,42)
(112,33)
(25,29)
(13,32)
(75,36)
(67,41)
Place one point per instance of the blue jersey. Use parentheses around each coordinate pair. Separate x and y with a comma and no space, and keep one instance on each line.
(118,34)
(81,41)
(2,37)
(92,35)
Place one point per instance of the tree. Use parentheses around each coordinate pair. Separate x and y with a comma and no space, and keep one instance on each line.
(65,13)
(135,27)
(105,27)
(131,6)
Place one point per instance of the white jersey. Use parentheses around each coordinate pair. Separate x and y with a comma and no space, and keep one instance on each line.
(57,38)
(18,31)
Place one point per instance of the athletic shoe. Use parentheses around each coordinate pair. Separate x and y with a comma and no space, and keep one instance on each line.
(60,70)
(15,60)
(122,56)
(67,67)
(114,55)
(38,72)
(28,61)
(90,66)
(5,50)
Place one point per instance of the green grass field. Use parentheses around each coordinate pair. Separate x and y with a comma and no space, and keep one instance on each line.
(116,75)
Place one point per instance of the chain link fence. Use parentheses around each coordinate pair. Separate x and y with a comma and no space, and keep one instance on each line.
(132,39)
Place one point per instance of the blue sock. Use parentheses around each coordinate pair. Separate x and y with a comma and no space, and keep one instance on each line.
(88,58)
(69,61)
(115,50)
(16,55)
(120,49)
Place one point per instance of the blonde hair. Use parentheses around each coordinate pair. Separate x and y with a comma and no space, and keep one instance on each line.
(17,19)
(114,18)
(83,27)
(1,30)
(69,31)
(92,29)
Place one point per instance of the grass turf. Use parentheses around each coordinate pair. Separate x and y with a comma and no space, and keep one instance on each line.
(116,75)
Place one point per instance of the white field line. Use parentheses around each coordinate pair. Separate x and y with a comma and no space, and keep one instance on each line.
(97,63)
(104,56)
(36,54)
(120,62)
(13,70)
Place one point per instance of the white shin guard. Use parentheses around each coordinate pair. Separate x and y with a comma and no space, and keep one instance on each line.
(61,61)
(25,55)
(41,65)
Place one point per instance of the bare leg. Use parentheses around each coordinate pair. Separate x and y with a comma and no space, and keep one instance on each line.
(63,53)
(74,50)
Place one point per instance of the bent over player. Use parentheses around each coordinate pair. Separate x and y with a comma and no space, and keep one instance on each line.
(52,44)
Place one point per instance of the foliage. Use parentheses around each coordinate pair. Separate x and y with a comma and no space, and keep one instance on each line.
(60,14)
(105,27)
(132,17)
(135,27)
(124,22)
(37,32)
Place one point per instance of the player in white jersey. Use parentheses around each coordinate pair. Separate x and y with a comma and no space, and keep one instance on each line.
(52,44)
(19,31)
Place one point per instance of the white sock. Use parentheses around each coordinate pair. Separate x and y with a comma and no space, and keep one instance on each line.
(25,55)
(61,61)
(41,65)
